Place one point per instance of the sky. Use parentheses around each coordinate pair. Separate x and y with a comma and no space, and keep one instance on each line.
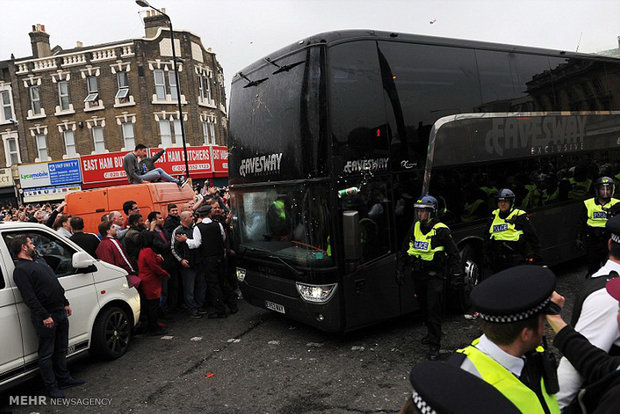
(243,31)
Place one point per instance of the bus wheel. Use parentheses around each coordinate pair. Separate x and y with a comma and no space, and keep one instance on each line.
(460,297)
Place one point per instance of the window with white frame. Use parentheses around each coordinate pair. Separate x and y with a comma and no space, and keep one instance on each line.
(208,131)
(93,91)
(35,100)
(7,108)
(63,95)
(122,81)
(41,146)
(69,137)
(170,132)
(160,84)
(12,151)
(98,139)
(172,80)
(204,88)
(128,135)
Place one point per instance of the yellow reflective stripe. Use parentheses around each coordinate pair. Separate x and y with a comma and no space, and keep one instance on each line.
(597,215)
(420,246)
(508,384)
(502,230)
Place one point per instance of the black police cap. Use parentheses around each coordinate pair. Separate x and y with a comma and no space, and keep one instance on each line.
(515,294)
(446,389)
(613,227)
(204,210)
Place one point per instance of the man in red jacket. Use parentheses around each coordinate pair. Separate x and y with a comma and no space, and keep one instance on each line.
(111,251)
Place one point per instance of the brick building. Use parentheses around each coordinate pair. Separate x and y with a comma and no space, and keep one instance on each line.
(65,103)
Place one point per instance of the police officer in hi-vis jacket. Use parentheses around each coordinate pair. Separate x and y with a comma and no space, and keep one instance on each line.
(591,228)
(511,239)
(433,256)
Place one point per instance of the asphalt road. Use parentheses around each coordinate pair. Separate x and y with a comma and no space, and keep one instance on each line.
(259,362)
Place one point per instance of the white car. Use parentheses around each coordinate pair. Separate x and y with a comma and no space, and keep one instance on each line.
(105,308)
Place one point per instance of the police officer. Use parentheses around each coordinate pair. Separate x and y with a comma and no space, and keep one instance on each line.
(511,238)
(445,389)
(433,255)
(592,234)
(512,305)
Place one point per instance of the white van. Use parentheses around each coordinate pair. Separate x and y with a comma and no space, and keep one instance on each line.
(105,309)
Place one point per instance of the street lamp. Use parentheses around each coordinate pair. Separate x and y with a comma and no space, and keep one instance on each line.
(143,3)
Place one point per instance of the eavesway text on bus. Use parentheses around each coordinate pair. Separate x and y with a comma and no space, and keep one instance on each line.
(549,134)
(261,164)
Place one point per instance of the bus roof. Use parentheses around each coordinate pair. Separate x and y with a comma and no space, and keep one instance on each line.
(343,36)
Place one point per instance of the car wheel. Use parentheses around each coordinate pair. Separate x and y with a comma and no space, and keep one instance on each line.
(111,333)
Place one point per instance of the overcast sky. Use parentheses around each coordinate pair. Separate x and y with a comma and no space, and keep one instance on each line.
(242,31)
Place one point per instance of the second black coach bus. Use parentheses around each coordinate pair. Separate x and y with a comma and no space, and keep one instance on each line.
(329,148)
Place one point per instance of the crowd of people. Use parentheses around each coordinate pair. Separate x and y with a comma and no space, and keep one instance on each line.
(177,263)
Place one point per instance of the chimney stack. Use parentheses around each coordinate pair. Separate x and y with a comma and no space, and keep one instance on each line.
(154,21)
(40,41)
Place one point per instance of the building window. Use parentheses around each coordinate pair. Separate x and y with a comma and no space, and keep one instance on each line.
(11,148)
(208,132)
(35,100)
(98,139)
(204,88)
(70,144)
(172,79)
(123,86)
(169,132)
(63,95)
(128,136)
(93,91)
(7,108)
(41,147)
(160,84)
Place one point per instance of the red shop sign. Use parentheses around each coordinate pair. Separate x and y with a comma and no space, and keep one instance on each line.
(173,161)
(104,168)
(219,155)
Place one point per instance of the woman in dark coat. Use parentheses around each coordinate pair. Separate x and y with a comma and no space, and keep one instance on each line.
(151,274)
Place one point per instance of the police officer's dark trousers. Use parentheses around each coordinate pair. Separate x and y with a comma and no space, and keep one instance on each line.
(53,344)
(430,291)
(504,255)
(596,249)
(219,291)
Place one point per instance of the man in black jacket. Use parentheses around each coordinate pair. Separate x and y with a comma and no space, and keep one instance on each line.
(172,221)
(208,238)
(194,287)
(49,312)
(87,241)
(600,370)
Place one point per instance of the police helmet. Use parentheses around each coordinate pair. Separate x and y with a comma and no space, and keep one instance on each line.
(426,201)
(604,182)
(505,194)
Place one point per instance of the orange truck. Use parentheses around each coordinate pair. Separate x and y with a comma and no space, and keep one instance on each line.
(92,204)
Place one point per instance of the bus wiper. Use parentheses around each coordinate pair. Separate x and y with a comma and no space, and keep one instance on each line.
(295,271)
(251,82)
(285,68)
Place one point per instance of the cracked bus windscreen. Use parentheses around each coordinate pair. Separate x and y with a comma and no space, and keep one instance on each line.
(289,222)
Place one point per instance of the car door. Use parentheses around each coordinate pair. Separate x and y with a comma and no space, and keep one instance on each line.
(11,349)
(79,288)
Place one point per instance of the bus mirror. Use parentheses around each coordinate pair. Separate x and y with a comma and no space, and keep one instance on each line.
(351,233)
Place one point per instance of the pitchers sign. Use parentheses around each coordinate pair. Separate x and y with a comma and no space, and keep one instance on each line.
(104,168)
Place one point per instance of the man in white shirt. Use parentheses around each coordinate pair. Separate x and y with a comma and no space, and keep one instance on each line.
(594,315)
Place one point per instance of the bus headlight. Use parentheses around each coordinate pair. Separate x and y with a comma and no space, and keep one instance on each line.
(316,293)
(240,274)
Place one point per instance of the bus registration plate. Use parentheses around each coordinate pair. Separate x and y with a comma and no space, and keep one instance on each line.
(274,307)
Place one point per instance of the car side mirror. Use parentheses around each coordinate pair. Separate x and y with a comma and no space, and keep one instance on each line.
(82,260)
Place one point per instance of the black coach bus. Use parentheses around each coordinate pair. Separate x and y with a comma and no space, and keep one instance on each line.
(329,147)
